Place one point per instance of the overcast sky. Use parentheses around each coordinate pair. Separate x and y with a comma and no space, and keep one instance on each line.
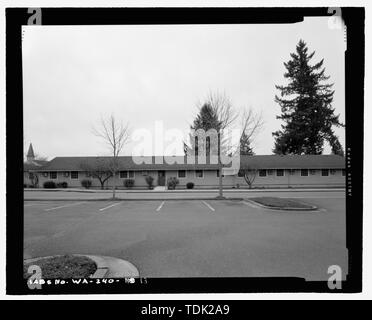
(72,75)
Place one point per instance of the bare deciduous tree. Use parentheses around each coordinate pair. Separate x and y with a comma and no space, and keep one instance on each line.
(251,124)
(115,135)
(224,117)
(250,175)
(223,108)
(34,179)
(227,116)
(99,169)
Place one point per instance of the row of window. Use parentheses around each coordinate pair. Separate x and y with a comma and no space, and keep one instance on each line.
(304,172)
(53,174)
(181,174)
(123,174)
(200,173)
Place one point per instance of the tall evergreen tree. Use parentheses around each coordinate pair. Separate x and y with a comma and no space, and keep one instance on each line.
(245,145)
(306,111)
(206,119)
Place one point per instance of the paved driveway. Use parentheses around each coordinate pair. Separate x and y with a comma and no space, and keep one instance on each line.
(193,238)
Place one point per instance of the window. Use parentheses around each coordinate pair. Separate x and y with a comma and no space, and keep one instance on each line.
(145,173)
(270,172)
(332,172)
(53,175)
(129,174)
(181,173)
(262,173)
(343,172)
(241,173)
(312,172)
(30,175)
(74,175)
(325,172)
(292,172)
(218,173)
(304,172)
(279,172)
(199,173)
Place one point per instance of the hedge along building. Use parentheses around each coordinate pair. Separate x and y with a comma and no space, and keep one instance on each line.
(265,171)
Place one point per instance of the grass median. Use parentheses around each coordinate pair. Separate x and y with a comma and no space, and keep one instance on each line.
(63,267)
(281,203)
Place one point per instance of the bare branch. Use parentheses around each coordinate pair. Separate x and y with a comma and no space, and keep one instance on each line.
(113,133)
(116,136)
(222,106)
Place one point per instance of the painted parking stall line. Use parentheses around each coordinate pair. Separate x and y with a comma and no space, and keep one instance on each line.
(34,204)
(65,206)
(251,204)
(209,206)
(161,205)
(110,206)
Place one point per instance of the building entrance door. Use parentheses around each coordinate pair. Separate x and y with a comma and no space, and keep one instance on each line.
(161,178)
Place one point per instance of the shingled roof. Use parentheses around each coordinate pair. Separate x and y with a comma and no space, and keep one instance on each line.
(34,164)
(293,162)
(258,162)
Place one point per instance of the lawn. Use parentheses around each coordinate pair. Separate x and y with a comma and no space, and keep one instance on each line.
(280,203)
(63,267)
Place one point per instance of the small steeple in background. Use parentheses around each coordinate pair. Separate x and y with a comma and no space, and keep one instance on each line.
(30,153)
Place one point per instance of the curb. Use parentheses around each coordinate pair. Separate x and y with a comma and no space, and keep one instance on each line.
(107,267)
(138,199)
(312,208)
(333,189)
(110,267)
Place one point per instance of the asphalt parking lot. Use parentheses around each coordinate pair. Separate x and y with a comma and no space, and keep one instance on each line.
(211,238)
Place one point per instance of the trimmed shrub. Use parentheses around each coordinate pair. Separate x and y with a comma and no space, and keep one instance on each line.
(172,183)
(128,183)
(190,185)
(49,185)
(149,181)
(61,184)
(86,183)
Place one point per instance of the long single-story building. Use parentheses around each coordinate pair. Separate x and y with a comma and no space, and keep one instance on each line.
(265,171)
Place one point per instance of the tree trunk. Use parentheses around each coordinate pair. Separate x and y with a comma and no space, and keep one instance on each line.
(220,182)
(113,185)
